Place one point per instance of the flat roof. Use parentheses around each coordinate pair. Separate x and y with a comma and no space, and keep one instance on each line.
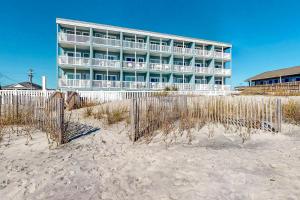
(276,73)
(62,21)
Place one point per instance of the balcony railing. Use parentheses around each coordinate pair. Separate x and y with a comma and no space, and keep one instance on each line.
(159,85)
(134,65)
(74,83)
(96,62)
(221,87)
(106,42)
(222,71)
(67,37)
(159,48)
(203,86)
(207,53)
(182,68)
(203,70)
(106,84)
(68,60)
(198,52)
(159,67)
(134,84)
(183,86)
(180,50)
(135,45)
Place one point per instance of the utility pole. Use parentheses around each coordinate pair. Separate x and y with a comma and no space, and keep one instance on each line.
(30,76)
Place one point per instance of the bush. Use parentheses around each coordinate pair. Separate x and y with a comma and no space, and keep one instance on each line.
(88,111)
(291,112)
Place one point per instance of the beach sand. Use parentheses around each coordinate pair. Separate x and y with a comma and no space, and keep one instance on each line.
(106,165)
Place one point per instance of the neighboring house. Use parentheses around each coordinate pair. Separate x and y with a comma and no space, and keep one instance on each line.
(102,57)
(284,75)
(22,86)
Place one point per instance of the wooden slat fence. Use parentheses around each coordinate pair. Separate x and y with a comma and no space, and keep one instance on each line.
(152,113)
(35,111)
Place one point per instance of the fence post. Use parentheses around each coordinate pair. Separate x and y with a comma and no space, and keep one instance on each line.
(134,125)
(279,114)
(61,121)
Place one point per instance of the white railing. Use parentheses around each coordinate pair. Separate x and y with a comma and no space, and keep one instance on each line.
(96,62)
(68,60)
(159,85)
(135,45)
(134,84)
(73,83)
(203,86)
(106,84)
(198,52)
(134,65)
(67,37)
(159,67)
(181,50)
(182,68)
(106,41)
(203,70)
(222,71)
(157,47)
(221,87)
(183,86)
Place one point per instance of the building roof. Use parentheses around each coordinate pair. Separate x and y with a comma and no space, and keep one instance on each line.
(276,73)
(22,86)
(69,22)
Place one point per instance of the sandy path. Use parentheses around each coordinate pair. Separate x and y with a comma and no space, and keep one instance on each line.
(106,165)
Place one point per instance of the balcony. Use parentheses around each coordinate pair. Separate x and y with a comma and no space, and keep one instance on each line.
(203,70)
(134,65)
(159,85)
(207,53)
(106,84)
(183,86)
(221,87)
(222,71)
(181,50)
(73,83)
(134,45)
(182,68)
(68,60)
(227,56)
(203,87)
(66,37)
(199,52)
(160,48)
(159,67)
(134,84)
(106,42)
(96,62)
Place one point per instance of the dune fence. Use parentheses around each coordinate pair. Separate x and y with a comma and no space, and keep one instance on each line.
(38,112)
(169,113)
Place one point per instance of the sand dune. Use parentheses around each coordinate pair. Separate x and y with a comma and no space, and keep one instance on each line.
(106,165)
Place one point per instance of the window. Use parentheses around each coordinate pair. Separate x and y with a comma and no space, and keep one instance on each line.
(298,79)
(154,42)
(85,33)
(199,64)
(129,78)
(141,40)
(110,57)
(101,35)
(70,31)
(85,76)
(164,43)
(154,60)
(99,55)
(112,77)
(154,79)
(140,78)
(98,77)
(86,55)
(276,81)
(130,59)
(70,75)
(112,37)
(218,81)
(72,54)
(129,39)
(141,59)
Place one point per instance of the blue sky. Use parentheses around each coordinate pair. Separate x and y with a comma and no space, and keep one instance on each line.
(265,34)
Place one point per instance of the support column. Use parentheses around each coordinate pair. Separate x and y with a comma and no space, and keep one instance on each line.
(148,63)
(91,60)
(171,62)
(192,81)
(121,61)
